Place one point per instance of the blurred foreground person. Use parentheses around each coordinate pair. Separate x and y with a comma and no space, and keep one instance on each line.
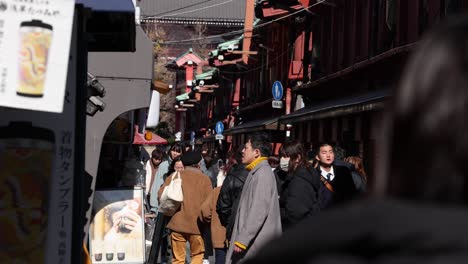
(419,213)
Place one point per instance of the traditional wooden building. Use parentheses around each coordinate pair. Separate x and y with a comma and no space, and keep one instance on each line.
(338,61)
(199,25)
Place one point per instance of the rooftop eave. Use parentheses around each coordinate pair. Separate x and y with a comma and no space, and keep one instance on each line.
(193,21)
(219,63)
(399,51)
(269,9)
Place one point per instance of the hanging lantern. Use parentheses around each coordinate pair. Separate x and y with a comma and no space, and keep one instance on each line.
(148,135)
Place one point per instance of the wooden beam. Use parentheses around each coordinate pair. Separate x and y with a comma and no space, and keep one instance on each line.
(160,86)
(210,86)
(248,27)
(244,52)
(228,62)
(206,91)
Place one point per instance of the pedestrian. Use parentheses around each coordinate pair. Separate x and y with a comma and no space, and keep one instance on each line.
(337,180)
(152,167)
(176,166)
(218,231)
(299,195)
(258,215)
(358,173)
(174,151)
(230,192)
(184,223)
(418,211)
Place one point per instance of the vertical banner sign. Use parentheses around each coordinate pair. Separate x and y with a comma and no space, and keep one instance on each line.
(34,47)
(37,171)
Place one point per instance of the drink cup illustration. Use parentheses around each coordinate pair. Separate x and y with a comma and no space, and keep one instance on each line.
(35,40)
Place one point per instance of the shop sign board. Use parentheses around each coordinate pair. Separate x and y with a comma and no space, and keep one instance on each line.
(277,91)
(117,230)
(35,38)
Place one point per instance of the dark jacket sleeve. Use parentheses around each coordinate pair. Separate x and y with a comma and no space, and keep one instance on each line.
(346,188)
(302,196)
(224,203)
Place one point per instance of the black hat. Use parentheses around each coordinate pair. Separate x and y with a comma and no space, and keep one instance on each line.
(191,157)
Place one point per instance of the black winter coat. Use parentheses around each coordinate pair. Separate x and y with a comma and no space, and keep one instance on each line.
(358,180)
(228,199)
(343,186)
(300,196)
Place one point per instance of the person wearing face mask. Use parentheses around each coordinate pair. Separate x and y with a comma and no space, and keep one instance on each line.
(298,186)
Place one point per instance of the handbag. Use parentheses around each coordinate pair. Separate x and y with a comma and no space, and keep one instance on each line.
(172,196)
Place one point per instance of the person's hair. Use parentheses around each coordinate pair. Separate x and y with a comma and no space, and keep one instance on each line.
(233,157)
(358,165)
(340,153)
(208,159)
(273,161)
(157,154)
(177,147)
(205,147)
(428,151)
(231,161)
(260,141)
(314,163)
(294,150)
(188,146)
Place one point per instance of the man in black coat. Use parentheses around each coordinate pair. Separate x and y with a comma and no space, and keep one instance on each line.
(337,180)
(228,199)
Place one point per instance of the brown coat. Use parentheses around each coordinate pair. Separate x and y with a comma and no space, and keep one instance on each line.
(208,214)
(196,187)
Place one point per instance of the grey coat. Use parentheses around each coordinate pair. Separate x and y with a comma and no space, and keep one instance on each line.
(258,215)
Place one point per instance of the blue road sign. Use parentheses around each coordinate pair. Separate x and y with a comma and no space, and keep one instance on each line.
(277,90)
(219,127)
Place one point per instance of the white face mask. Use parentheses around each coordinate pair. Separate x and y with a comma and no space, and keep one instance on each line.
(284,164)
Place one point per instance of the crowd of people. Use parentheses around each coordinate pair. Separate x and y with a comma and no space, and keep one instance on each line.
(236,204)
(295,209)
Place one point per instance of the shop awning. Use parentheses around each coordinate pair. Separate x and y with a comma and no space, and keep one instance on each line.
(256,125)
(139,139)
(374,100)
